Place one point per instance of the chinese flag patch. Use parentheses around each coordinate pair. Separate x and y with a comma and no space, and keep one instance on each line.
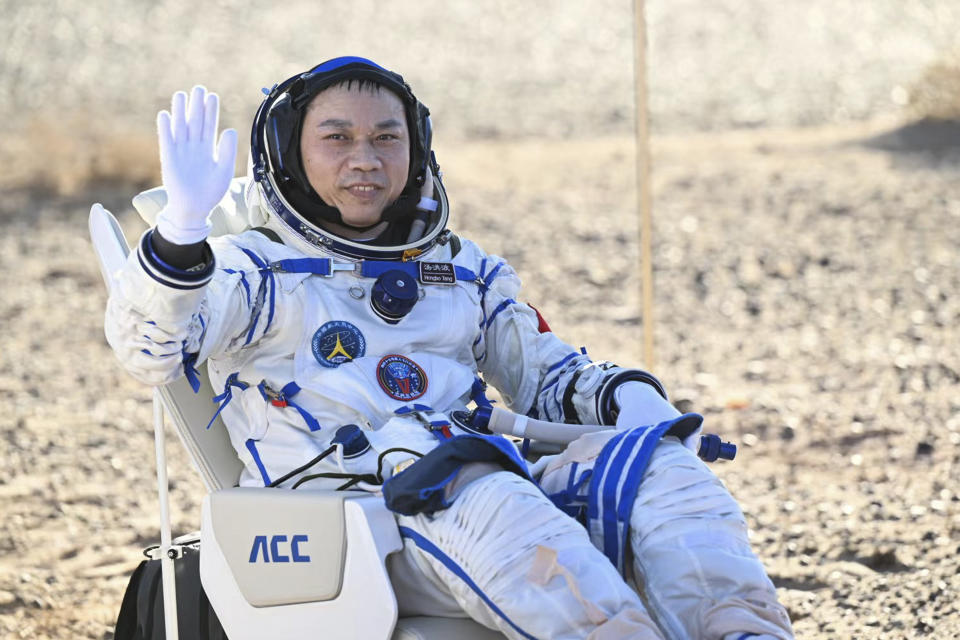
(542,325)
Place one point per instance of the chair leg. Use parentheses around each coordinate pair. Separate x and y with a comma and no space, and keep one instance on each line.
(168,577)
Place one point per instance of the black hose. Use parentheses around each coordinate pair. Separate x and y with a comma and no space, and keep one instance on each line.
(302,468)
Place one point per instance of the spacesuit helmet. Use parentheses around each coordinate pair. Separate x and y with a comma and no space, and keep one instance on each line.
(417,219)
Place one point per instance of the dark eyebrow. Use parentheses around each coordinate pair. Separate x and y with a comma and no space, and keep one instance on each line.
(338,123)
(335,122)
(392,123)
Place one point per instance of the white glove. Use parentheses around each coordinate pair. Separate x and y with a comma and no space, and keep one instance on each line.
(641,404)
(195,175)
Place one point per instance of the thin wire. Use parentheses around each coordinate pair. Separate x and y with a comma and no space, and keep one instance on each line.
(302,468)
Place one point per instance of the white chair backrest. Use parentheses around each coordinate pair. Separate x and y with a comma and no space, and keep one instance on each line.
(209,449)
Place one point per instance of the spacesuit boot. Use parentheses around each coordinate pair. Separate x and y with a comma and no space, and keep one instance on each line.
(507,557)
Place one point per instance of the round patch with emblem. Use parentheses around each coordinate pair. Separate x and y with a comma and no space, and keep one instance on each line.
(337,342)
(401,378)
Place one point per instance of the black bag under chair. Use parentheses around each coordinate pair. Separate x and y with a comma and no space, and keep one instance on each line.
(141,613)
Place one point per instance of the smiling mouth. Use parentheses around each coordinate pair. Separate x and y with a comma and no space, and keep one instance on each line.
(362,188)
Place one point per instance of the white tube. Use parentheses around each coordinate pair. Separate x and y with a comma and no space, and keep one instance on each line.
(508,423)
(520,425)
(166,562)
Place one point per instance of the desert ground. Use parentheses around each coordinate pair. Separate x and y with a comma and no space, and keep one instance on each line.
(806,271)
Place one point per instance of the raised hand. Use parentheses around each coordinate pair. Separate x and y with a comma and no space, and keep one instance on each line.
(196,174)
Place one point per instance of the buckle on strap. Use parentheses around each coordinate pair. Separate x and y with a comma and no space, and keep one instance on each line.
(422,414)
(325,267)
(433,426)
(276,398)
(341,266)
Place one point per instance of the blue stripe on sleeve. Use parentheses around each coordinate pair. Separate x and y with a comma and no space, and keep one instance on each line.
(490,277)
(559,364)
(182,276)
(553,382)
(167,283)
(243,281)
(203,327)
(265,274)
(550,384)
(500,307)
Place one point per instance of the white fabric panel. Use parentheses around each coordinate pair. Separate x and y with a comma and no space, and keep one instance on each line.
(689,539)
(424,628)
(495,532)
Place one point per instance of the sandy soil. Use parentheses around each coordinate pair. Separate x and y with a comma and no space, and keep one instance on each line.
(806,280)
(805,304)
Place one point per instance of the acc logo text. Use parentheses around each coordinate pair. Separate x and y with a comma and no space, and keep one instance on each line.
(274,553)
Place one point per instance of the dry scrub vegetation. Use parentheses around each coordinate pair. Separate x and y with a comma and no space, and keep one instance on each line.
(936,95)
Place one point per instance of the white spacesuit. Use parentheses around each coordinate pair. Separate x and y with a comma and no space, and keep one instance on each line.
(342,361)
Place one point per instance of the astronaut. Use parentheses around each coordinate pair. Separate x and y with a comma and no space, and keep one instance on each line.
(349,331)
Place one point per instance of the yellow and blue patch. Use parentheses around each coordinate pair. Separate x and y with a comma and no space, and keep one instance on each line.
(337,342)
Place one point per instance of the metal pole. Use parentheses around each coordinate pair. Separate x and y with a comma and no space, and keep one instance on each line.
(643,179)
(166,559)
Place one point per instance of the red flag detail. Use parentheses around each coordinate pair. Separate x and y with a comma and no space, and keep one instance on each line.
(542,325)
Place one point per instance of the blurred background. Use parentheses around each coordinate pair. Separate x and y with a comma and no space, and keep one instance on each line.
(92,76)
(806,209)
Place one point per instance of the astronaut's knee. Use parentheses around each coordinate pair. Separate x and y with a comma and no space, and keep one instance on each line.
(530,559)
(679,495)
(630,623)
(691,551)
(756,612)
(470,473)
(497,515)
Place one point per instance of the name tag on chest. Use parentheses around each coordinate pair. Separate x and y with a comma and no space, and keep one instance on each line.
(437,273)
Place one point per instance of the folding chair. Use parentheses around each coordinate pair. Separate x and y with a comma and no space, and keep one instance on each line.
(274,563)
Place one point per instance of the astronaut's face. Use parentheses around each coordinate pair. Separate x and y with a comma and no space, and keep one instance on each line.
(355,147)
